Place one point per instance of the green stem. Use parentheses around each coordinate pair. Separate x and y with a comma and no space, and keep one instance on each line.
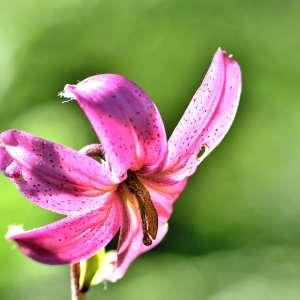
(75,285)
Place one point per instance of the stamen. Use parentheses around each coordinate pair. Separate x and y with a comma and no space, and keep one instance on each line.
(147,210)
(93,150)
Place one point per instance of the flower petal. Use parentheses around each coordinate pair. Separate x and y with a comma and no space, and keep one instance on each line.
(208,117)
(73,238)
(125,119)
(131,241)
(53,176)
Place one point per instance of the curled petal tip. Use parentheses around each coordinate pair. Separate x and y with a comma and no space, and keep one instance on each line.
(70,88)
(13,171)
(68,93)
(14,230)
(221,51)
(5,160)
(224,52)
(7,138)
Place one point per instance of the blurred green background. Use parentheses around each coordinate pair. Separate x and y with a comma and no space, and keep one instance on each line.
(235,231)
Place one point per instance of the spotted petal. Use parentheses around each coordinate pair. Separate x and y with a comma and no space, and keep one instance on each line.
(53,176)
(71,239)
(125,119)
(207,118)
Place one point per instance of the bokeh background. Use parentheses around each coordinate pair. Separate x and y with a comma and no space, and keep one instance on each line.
(235,231)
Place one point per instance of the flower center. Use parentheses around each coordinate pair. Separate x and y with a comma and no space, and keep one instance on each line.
(133,185)
(147,209)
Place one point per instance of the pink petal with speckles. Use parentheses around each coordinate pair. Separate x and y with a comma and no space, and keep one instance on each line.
(125,119)
(71,239)
(131,241)
(53,176)
(207,118)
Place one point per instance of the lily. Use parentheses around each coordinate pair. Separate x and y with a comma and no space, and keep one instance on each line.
(128,183)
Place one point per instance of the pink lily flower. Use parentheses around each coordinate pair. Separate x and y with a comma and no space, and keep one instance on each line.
(132,187)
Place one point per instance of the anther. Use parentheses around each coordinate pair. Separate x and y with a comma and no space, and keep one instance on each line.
(147,209)
(93,150)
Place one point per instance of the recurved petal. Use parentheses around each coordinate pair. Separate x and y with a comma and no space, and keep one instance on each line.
(207,118)
(131,241)
(71,239)
(125,119)
(53,176)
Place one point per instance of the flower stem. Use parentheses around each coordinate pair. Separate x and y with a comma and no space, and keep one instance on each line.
(75,286)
